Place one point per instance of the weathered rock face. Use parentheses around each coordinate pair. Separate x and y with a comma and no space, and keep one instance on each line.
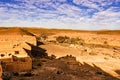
(0,72)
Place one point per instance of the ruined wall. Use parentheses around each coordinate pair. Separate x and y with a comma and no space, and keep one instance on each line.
(6,60)
(15,45)
(22,64)
(0,72)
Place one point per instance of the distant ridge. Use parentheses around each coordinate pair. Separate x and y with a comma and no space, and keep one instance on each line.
(46,30)
(14,31)
(29,31)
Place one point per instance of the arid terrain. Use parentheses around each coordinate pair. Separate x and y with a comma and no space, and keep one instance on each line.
(70,55)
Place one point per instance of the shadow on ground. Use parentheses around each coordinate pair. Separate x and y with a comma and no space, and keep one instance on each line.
(36,52)
(117,71)
(60,70)
(64,68)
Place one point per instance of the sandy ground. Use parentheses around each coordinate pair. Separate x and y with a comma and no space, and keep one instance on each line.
(107,58)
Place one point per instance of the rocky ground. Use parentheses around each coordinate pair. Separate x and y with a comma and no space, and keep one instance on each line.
(64,68)
(100,52)
(73,55)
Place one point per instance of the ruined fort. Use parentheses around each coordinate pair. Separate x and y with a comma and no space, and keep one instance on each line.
(13,46)
(0,72)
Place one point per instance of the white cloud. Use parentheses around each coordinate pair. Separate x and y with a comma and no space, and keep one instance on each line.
(64,16)
(117,0)
(95,4)
(69,10)
(86,3)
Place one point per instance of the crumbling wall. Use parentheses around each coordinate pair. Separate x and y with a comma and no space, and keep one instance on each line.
(6,60)
(0,72)
(22,64)
(15,45)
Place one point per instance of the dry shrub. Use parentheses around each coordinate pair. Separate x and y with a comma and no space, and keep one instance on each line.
(68,40)
(92,53)
(61,39)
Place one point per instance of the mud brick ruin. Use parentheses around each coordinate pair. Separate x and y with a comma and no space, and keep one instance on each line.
(12,51)
(0,72)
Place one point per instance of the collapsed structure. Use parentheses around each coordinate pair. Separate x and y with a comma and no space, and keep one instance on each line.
(13,46)
(0,72)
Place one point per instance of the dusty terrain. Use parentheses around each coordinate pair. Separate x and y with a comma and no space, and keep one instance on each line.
(100,49)
(96,55)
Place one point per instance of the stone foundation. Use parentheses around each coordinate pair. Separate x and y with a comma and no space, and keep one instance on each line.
(13,48)
(0,72)
(18,64)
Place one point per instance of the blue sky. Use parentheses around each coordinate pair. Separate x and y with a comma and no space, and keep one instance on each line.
(65,14)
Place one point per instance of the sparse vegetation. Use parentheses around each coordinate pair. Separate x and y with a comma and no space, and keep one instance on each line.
(44,36)
(46,67)
(76,41)
(68,40)
(106,58)
(62,39)
(52,41)
(105,43)
(92,53)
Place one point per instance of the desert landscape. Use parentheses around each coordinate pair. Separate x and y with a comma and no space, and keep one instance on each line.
(58,54)
(59,39)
